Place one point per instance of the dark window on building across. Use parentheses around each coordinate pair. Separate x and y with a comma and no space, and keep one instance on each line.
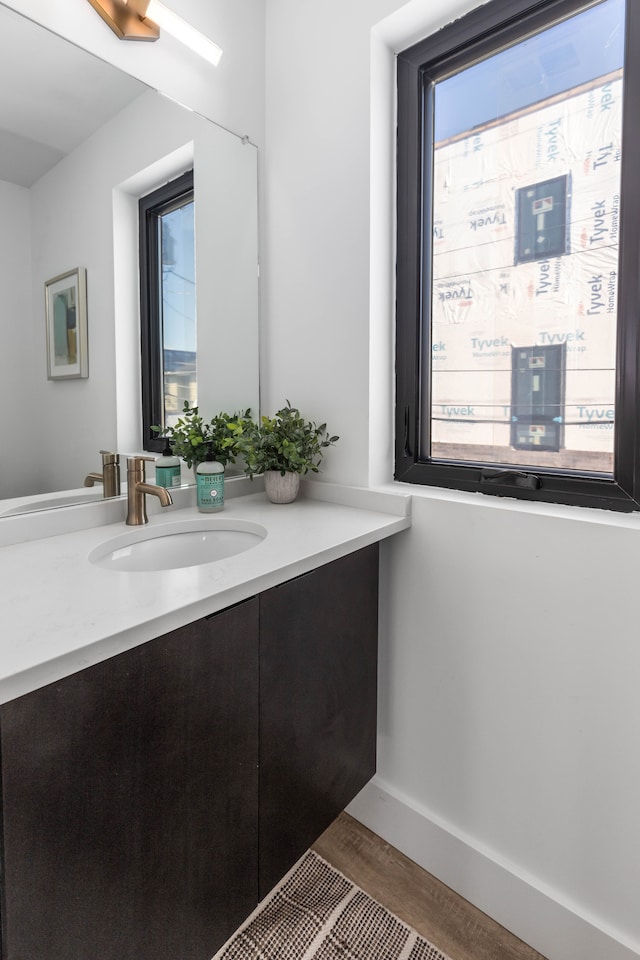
(541,220)
(537,411)
(167,305)
(518,229)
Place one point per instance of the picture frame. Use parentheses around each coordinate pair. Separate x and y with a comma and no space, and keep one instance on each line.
(66,324)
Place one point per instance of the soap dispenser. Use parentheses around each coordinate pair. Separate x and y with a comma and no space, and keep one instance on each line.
(210,485)
(168,468)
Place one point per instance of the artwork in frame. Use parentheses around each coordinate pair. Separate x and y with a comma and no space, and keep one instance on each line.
(66,317)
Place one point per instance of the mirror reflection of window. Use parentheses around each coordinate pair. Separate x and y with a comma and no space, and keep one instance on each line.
(178,283)
(525,210)
(168,304)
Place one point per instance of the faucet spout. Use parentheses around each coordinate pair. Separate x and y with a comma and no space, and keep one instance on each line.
(110,476)
(138,489)
(161,493)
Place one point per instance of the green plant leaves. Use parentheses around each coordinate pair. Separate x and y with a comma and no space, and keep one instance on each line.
(193,439)
(286,442)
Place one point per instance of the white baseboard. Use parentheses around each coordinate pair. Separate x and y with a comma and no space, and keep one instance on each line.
(556,929)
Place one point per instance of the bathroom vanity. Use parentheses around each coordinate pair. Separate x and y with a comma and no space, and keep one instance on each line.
(152,797)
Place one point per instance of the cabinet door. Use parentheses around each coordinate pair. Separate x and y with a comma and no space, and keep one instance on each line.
(129,800)
(318,671)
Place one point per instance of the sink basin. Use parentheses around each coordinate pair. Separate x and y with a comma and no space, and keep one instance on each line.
(181,543)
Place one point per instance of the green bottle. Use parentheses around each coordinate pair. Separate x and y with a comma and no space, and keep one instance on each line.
(210,485)
(168,469)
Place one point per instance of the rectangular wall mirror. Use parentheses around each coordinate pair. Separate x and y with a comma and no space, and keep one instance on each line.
(80,142)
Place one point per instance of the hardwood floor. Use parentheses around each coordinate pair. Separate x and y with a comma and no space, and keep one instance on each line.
(452,924)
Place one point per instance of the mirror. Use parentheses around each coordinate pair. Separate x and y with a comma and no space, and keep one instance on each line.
(80,142)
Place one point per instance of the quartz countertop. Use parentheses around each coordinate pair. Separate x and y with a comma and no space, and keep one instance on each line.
(61,613)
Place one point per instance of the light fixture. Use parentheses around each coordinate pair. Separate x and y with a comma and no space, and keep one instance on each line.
(141,20)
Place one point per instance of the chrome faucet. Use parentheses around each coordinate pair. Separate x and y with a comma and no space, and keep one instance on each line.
(110,476)
(137,488)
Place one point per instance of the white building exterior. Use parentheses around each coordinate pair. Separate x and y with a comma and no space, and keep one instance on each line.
(495,187)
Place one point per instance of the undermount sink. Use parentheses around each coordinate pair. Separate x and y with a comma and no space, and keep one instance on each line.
(180,543)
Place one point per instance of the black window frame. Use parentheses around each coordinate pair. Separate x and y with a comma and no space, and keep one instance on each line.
(150,209)
(484,29)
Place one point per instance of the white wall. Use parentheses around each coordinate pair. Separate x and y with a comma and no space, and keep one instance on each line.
(316,201)
(509,651)
(18,341)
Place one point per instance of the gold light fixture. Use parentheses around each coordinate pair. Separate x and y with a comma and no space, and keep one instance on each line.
(143,19)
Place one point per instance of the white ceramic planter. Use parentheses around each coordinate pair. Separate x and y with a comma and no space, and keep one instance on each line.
(281,489)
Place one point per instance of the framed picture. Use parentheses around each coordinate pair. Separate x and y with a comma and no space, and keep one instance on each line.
(66,317)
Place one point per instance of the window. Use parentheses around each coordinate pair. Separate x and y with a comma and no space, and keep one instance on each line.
(168,305)
(518,231)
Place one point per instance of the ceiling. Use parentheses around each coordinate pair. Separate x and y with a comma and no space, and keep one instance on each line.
(53,95)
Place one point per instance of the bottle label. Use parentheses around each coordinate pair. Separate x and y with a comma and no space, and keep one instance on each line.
(168,476)
(210,490)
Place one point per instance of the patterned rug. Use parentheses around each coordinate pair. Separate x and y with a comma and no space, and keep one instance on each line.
(317,913)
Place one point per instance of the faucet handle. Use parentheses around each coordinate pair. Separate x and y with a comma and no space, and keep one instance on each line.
(135,464)
(108,456)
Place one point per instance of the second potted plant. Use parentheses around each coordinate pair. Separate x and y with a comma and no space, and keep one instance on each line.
(207,446)
(283,448)
(192,437)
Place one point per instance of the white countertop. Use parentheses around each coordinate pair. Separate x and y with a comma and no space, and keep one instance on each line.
(61,613)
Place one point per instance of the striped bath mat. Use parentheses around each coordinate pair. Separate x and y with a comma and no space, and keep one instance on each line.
(317,913)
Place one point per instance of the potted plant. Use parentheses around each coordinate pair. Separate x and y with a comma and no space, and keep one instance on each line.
(192,438)
(283,448)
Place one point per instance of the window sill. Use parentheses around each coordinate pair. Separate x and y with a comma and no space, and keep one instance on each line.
(626,521)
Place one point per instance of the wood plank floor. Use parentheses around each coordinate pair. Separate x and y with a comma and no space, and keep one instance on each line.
(452,924)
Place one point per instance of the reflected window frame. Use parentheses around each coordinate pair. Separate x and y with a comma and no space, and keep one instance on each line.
(483,31)
(151,209)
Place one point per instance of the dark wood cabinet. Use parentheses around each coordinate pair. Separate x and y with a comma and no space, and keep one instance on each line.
(318,674)
(136,820)
(129,800)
